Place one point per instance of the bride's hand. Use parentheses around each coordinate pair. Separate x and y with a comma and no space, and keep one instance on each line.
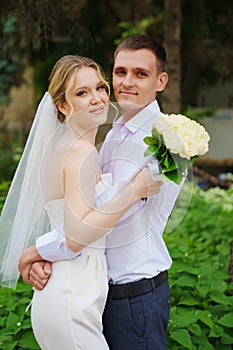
(40,273)
(144,185)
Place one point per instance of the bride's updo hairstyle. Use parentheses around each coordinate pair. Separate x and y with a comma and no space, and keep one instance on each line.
(63,75)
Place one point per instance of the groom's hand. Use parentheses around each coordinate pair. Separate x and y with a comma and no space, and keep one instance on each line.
(37,274)
(40,273)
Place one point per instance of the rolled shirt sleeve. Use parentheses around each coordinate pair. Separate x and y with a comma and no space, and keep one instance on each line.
(52,246)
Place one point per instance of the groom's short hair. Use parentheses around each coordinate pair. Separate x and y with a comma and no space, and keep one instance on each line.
(138,42)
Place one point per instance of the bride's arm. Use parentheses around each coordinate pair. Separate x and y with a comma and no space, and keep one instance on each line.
(51,246)
(83,223)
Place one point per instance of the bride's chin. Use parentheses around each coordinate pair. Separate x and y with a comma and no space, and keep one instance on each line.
(100,120)
(104,120)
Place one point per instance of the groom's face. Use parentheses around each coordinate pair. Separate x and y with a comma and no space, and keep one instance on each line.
(136,78)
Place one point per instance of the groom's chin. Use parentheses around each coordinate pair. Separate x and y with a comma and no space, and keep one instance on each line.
(125,105)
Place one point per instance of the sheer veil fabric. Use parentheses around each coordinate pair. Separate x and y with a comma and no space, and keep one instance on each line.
(24,217)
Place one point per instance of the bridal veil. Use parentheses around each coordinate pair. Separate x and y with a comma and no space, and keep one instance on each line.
(24,217)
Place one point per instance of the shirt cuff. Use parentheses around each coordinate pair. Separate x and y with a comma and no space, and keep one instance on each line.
(52,246)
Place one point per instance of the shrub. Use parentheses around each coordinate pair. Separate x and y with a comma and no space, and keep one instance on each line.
(15,323)
(10,153)
(201,292)
(16,331)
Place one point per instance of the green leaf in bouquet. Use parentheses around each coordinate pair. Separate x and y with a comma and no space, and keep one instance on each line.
(169,163)
(150,140)
(161,153)
(173,176)
(155,133)
(160,150)
(172,164)
(150,149)
(166,162)
(147,152)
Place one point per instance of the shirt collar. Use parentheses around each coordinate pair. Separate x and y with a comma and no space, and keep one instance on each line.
(140,118)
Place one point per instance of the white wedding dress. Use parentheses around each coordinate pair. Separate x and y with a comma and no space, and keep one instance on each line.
(67,313)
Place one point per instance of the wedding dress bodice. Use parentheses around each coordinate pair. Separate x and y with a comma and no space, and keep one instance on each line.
(55,210)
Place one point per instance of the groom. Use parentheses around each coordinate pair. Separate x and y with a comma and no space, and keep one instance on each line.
(138,305)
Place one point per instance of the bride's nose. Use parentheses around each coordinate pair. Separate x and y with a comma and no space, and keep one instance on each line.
(95,99)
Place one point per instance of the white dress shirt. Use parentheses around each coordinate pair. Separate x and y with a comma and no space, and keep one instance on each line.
(135,246)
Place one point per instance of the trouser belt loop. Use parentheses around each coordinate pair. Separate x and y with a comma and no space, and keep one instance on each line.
(153,284)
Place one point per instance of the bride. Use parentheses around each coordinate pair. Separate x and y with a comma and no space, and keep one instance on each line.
(56,185)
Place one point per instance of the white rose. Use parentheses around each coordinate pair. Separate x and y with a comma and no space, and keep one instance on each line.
(203,143)
(182,135)
(161,124)
(191,145)
(173,141)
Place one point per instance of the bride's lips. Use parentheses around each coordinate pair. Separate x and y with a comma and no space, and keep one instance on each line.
(97,110)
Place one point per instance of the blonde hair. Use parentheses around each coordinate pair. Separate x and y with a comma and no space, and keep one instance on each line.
(63,74)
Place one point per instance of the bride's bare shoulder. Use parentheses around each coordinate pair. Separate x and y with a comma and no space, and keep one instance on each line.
(81,150)
(83,146)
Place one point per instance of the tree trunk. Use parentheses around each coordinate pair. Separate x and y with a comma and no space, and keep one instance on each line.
(171,98)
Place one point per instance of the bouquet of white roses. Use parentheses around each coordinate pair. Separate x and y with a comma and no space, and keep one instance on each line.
(176,141)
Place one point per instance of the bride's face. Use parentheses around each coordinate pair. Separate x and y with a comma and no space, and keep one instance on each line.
(87,99)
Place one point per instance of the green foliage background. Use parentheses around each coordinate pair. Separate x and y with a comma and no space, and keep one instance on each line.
(201,290)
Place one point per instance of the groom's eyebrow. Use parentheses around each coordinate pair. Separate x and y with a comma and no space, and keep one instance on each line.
(119,67)
(133,69)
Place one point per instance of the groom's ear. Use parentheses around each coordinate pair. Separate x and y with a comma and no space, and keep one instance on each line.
(162,81)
